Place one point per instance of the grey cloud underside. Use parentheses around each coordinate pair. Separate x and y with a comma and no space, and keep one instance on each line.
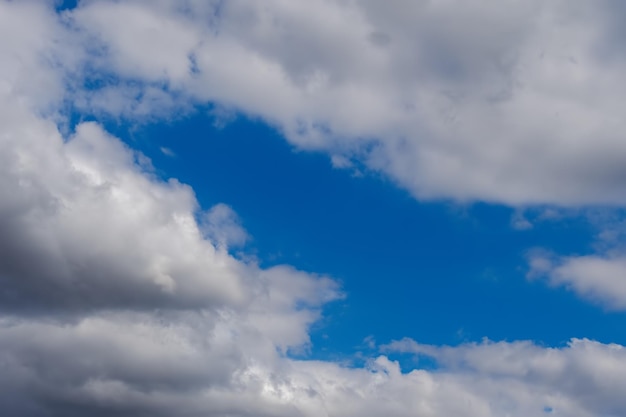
(118,295)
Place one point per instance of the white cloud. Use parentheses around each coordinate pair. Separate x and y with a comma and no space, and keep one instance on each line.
(598,278)
(138,364)
(112,300)
(101,229)
(515,102)
(581,379)
(36,51)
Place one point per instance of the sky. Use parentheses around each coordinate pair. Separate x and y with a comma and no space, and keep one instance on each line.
(326,208)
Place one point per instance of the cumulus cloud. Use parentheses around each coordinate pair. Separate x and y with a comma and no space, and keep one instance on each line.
(118,295)
(580,379)
(112,299)
(39,53)
(83,224)
(514,102)
(133,364)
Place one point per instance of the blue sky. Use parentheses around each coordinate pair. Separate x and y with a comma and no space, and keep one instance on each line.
(318,208)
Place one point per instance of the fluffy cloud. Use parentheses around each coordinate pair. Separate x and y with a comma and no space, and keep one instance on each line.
(598,278)
(82,224)
(137,364)
(515,102)
(37,53)
(581,379)
(115,298)
(118,295)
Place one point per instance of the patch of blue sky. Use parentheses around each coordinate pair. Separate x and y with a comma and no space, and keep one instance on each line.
(61,5)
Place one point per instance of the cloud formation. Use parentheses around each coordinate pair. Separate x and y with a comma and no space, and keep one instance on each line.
(118,295)
(138,364)
(112,299)
(580,379)
(515,102)
(598,278)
